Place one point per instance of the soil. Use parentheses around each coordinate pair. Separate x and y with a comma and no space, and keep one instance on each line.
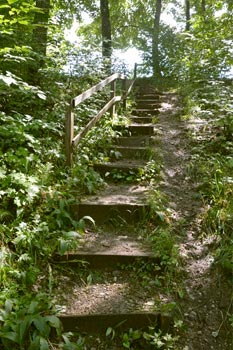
(206,300)
(208,293)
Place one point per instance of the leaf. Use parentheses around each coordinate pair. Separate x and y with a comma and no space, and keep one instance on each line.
(41,325)
(8,80)
(215,334)
(24,325)
(13,336)
(109,331)
(72,234)
(64,245)
(12,1)
(161,215)
(53,321)
(44,345)
(89,218)
(41,95)
(8,306)
(23,21)
(33,307)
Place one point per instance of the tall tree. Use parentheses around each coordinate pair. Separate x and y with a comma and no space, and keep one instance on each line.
(39,37)
(106,29)
(187,15)
(155,40)
(203,5)
(40,31)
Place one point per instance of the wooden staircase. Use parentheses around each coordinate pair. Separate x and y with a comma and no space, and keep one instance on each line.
(119,210)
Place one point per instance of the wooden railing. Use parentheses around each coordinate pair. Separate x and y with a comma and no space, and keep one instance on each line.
(72,140)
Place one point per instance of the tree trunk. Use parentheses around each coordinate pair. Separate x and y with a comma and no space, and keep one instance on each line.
(106,30)
(187,15)
(203,6)
(155,40)
(40,37)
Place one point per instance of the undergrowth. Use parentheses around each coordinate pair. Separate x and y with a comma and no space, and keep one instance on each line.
(36,220)
(212,163)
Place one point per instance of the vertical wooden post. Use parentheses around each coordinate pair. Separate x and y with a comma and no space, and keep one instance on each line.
(135,70)
(69,134)
(124,97)
(113,94)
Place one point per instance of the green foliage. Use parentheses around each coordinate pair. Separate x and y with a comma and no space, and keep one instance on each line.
(26,325)
(158,212)
(159,340)
(212,163)
(208,46)
(152,338)
(165,248)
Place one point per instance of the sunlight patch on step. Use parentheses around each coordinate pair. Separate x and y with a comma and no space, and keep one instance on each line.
(105,298)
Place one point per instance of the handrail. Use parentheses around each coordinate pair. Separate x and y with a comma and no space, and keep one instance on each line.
(78,137)
(88,93)
(72,141)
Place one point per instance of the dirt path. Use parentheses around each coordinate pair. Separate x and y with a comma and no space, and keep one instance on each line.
(206,293)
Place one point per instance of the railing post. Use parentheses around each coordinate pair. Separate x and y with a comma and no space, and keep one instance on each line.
(135,70)
(69,134)
(124,98)
(113,94)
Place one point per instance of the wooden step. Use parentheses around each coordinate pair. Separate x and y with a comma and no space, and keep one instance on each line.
(148,96)
(133,141)
(105,247)
(116,203)
(133,152)
(103,213)
(147,105)
(123,165)
(136,129)
(145,112)
(105,260)
(155,100)
(99,323)
(141,120)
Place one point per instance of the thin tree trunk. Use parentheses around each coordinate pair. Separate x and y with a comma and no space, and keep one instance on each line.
(155,40)
(40,32)
(40,36)
(106,31)
(203,6)
(187,15)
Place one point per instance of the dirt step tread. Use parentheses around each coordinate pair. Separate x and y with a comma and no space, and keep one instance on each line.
(112,291)
(141,140)
(134,148)
(119,194)
(122,163)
